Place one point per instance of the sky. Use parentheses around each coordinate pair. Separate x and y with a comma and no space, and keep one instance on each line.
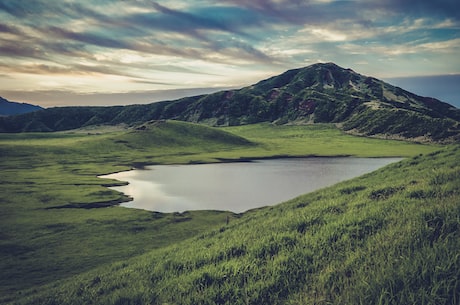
(107,52)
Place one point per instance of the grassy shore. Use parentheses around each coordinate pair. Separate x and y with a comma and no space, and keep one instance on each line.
(58,220)
(389,237)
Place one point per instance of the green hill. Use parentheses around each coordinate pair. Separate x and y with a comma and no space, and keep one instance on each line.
(388,237)
(58,220)
(320,93)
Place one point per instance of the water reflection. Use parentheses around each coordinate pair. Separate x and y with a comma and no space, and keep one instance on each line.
(237,187)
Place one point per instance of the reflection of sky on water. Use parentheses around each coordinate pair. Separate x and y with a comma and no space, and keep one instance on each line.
(151,196)
(236,186)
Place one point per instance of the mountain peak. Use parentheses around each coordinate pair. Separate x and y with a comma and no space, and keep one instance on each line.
(317,77)
(320,93)
(324,65)
(327,66)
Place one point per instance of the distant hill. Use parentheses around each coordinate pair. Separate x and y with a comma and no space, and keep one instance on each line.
(13,108)
(320,93)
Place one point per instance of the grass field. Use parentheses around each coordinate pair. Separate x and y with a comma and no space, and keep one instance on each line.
(322,140)
(63,241)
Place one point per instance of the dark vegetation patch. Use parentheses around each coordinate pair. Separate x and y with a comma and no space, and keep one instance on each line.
(362,229)
(11,249)
(181,219)
(440,227)
(445,177)
(157,215)
(235,251)
(336,209)
(422,194)
(59,227)
(272,247)
(352,189)
(88,206)
(306,224)
(138,228)
(385,193)
(302,205)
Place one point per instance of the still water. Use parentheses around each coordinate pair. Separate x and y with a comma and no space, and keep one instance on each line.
(236,187)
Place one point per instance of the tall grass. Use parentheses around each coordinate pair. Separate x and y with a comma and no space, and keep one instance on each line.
(58,220)
(388,237)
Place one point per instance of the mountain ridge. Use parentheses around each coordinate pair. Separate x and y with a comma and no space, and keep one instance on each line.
(14,108)
(319,93)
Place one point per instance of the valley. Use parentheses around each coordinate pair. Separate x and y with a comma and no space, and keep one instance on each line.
(64,239)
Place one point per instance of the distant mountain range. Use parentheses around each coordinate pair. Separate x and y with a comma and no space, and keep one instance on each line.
(13,108)
(320,93)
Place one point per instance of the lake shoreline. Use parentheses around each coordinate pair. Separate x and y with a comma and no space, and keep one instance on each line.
(312,174)
(144,166)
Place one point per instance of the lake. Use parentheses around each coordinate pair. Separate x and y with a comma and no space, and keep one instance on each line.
(236,187)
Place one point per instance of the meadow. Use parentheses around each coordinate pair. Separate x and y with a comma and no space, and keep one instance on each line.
(388,237)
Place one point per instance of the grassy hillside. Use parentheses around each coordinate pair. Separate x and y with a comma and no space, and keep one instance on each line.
(322,140)
(57,219)
(389,237)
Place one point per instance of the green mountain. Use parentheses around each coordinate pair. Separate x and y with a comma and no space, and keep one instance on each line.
(320,93)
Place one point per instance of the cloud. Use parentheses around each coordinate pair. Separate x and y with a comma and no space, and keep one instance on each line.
(9,29)
(75,69)
(183,21)
(50,98)
(417,8)
(21,8)
(328,34)
(438,47)
(85,37)
(11,49)
(142,43)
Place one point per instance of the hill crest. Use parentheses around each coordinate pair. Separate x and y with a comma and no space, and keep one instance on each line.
(13,108)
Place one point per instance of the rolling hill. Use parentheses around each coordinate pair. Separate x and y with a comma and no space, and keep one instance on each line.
(388,237)
(320,93)
(57,219)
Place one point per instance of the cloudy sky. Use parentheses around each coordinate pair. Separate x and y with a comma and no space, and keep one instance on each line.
(134,51)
